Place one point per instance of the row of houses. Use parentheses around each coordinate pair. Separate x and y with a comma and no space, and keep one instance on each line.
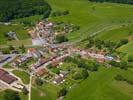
(100,56)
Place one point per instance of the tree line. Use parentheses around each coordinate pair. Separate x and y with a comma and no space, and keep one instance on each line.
(11,9)
(115,1)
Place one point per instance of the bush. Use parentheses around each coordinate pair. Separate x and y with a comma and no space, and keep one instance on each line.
(62,92)
(56,70)
(119,78)
(84,74)
(61,38)
(39,82)
(77,76)
(130,81)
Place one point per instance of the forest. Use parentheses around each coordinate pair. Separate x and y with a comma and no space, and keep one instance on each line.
(12,9)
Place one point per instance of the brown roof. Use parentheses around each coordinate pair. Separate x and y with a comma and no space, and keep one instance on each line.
(8,78)
(41,72)
(3,72)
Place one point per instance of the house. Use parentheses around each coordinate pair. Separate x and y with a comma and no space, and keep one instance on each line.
(100,60)
(39,63)
(58,80)
(22,59)
(41,72)
(109,58)
(34,53)
(11,34)
(63,74)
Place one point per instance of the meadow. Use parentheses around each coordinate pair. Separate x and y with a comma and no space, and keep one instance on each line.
(101,85)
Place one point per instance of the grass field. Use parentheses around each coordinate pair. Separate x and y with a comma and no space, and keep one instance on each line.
(102,86)
(23,75)
(122,32)
(128,48)
(20,31)
(45,92)
(91,17)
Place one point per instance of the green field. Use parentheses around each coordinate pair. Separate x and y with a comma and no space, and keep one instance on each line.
(128,48)
(25,77)
(91,17)
(45,92)
(20,31)
(122,32)
(102,86)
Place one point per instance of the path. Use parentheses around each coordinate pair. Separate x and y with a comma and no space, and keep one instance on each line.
(30,85)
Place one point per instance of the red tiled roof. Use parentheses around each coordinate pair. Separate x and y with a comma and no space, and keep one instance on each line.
(2,72)
(6,77)
(41,72)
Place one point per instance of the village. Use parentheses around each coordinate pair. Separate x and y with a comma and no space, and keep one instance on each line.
(47,61)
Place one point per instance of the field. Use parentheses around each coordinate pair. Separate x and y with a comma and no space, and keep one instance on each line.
(23,75)
(91,17)
(45,92)
(102,86)
(128,48)
(20,31)
(122,32)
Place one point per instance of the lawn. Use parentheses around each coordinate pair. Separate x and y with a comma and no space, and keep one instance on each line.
(102,86)
(122,32)
(25,77)
(45,92)
(128,48)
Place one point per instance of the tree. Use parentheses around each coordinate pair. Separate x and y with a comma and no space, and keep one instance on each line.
(124,41)
(123,65)
(11,47)
(77,76)
(22,48)
(39,82)
(25,91)
(11,95)
(119,78)
(84,74)
(62,92)
(61,38)
(56,70)
(12,9)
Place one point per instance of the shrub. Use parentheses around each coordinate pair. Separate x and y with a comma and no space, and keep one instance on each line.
(119,78)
